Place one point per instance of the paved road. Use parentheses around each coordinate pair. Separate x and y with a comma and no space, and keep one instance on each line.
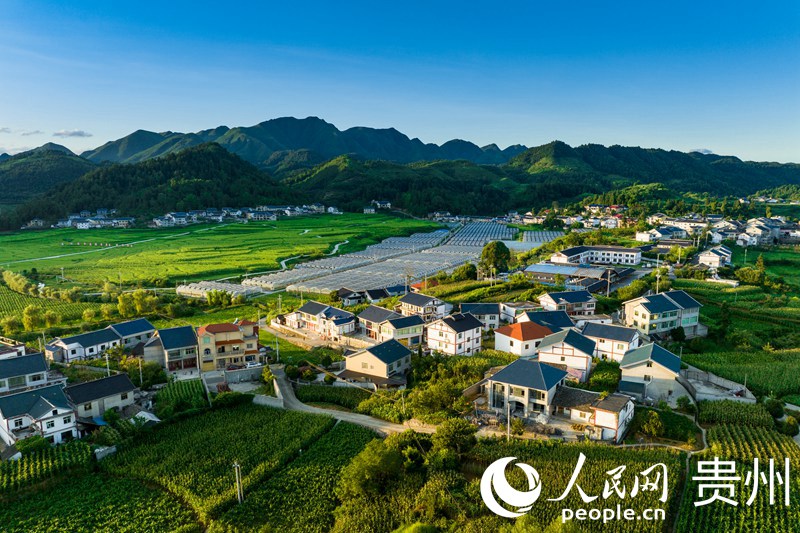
(290,401)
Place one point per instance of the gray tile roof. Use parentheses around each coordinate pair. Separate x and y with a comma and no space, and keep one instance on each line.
(570,297)
(659,303)
(480,309)
(530,374)
(36,402)
(570,397)
(406,321)
(376,314)
(682,299)
(652,352)
(100,388)
(571,338)
(417,299)
(312,308)
(609,331)
(133,327)
(390,351)
(613,402)
(93,338)
(555,320)
(460,322)
(22,365)
(179,337)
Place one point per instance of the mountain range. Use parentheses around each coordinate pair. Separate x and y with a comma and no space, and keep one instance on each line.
(269,144)
(306,160)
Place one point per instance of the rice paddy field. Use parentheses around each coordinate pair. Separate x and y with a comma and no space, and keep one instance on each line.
(167,256)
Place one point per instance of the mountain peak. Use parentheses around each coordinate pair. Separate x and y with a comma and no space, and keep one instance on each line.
(52,147)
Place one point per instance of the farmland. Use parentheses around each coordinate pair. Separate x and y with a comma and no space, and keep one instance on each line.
(743,444)
(42,465)
(166,256)
(12,303)
(94,502)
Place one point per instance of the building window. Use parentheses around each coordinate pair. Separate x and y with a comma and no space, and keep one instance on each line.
(124,396)
(648,378)
(649,364)
(511,343)
(87,407)
(18,423)
(563,358)
(67,419)
(364,365)
(50,424)
(37,377)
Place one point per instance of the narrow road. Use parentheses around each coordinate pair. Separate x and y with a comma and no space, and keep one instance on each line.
(336,247)
(284,390)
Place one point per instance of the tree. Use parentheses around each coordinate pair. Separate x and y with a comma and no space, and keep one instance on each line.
(51,318)
(107,310)
(10,324)
(465,272)
(774,407)
(653,425)
(495,255)
(790,426)
(125,305)
(455,434)
(678,334)
(32,317)
(88,315)
(371,472)
(760,263)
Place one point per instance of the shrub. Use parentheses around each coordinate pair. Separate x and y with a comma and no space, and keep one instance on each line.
(231,399)
(774,407)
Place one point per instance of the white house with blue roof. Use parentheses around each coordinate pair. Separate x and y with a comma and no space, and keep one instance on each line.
(611,341)
(488,313)
(574,303)
(569,349)
(45,412)
(663,312)
(526,385)
(173,348)
(651,372)
(84,346)
(134,331)
(384,365)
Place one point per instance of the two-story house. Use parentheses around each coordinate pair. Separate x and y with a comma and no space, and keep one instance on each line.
(663,312)
(457,334)
(554,320)
(611,342)
(44,411)
(604,417)
(607,255)
(407,330)
(520,338)
(222,345)
(487,313)
(574,303)
(133,332)
(370,319)
(384,365)
(651,371)
(428,307)
(83,346)
(526,385)
(173,348)
(570,349)
(93,398)
(22,372)
(325,320)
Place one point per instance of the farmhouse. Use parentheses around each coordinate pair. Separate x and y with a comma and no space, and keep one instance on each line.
(521,338)
(93,398)
(606,418)
(173,348)
(574,303)
(328,322)
(407,330)
(611,255)
(611,342)
(554,320)
(45,412)
(83,346)
(23,372)
(511,311)
(488,314)
(716,257)
(570,349)
(384,364)
(133,332)
(428,307)
(457,334)
(526,385)
(371,318)
(651,372)
(227,344)
(661,313)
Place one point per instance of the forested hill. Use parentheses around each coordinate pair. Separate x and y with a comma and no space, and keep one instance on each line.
(203,176)
(320,140)
(25,175)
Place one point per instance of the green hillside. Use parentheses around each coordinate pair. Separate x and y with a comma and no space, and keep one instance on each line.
(25,175)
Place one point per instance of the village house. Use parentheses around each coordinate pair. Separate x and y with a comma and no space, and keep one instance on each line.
(651,371)
(521,338)
(24,372)
(511,311)
(610,255)
(524,385)
(44,411)
(428,307)
(570,349)
(327,321)
(554,320)
(574,303)
(93,398)
(661,313)
(350,297)
(384,365)
(457,334)
(407,330)
(716,257)
(83,346)
(611,342)
(605,417)
(224,345)
(371,318)
(133,332)
(173,348)
(488,314)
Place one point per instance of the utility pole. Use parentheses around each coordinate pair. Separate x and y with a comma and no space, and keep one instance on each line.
(141,376)
(279,304)
(277,350)
(508,414)
(108,367)
(239,490)
(658,271)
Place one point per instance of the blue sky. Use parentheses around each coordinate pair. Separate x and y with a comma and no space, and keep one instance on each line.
(724,77)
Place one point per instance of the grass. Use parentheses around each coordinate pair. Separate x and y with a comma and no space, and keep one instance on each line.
(194,252)
(13,303)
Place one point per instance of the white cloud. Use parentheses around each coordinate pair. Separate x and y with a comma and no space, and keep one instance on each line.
(5,130)
(72,133)
(25,133)
(702,151)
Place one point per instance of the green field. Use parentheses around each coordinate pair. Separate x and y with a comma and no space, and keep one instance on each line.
(168,256)
(783,261)
(12,303)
